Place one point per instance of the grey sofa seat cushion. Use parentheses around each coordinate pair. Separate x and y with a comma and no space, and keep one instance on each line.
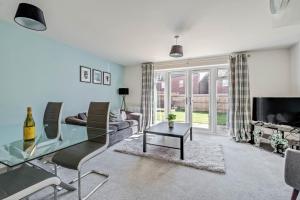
(25,180)
(132,122)
(120,125)
(120,135)
(112,129)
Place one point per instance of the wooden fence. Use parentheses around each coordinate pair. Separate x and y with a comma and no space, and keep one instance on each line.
(200,102)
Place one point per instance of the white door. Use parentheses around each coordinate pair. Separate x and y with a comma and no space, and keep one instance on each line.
(178,95)
(198,96)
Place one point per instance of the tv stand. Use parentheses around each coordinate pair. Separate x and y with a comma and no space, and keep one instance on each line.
(292,134)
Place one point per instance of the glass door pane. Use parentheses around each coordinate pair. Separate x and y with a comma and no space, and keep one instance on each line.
(178,95)
(201,99)
(159,96)
(222,87)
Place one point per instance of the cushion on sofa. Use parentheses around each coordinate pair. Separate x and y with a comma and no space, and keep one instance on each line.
(120,125)
(82,116)
(132,122)
(120,135)
(75,121)
(123,115)
(112,129)
(114,116)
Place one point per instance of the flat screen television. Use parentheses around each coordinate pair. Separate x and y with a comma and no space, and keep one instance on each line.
(277,110)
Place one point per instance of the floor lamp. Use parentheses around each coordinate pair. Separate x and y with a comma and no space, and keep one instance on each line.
(123,92)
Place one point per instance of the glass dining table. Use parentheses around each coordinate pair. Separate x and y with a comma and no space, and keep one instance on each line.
(49,139)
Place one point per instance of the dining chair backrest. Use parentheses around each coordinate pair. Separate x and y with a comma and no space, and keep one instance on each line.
(52,119)
(97,123)
(52,113)
(98,115)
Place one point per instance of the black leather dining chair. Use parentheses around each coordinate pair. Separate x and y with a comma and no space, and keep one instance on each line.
(76,156)
(24,181)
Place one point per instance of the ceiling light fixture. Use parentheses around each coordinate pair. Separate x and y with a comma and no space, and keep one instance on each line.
(276,6)
(31,17)
(176,50)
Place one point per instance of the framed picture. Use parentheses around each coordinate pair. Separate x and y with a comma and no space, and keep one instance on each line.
(106,78)
(85,74)
(97,76)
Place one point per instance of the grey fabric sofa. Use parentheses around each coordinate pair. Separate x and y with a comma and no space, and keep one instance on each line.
(118,130)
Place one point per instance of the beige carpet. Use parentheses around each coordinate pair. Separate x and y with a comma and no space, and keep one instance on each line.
(197,154)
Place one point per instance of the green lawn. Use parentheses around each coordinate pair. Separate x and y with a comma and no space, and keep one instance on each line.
(198,117)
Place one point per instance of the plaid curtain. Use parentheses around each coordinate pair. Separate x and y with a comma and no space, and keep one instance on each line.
(147,100)
(239,98)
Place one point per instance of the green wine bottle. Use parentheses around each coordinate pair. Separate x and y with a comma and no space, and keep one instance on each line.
(29,126)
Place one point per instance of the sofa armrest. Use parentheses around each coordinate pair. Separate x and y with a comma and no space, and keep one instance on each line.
(135,116)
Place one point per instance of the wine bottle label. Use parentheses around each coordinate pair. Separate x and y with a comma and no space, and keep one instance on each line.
(29,133)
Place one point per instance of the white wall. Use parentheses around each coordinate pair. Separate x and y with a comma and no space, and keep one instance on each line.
(295,69)
(269,73)
(133,81)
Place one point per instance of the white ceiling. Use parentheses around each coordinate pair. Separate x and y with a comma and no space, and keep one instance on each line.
(134,31)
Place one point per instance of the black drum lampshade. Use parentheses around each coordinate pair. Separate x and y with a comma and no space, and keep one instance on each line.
(123,91)
(31,17)
(176,50)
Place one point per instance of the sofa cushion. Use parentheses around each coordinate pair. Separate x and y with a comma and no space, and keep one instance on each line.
(120,135)
(123,115)
(114,116)
(120,125)
(113,129)
(75,121)
(82,116)
(132,122)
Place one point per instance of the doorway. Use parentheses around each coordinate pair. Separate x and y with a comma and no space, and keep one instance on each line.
(197,95)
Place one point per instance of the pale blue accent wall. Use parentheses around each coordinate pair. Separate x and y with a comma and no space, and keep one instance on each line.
(35,69)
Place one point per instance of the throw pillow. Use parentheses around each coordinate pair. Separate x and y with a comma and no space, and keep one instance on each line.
(82,116)
(114,116)
(123,115)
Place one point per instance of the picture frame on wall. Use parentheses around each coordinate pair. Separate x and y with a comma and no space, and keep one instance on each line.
(85,74)
(106,78)
(97,76)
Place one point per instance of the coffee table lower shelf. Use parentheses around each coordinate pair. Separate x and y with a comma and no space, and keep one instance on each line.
(185,129)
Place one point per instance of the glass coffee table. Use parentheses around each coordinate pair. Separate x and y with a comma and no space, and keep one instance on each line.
(180,130)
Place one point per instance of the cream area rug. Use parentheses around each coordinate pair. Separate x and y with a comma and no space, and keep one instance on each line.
(197,154)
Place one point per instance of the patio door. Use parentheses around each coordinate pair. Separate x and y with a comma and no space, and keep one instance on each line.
(198,96)
(178,95)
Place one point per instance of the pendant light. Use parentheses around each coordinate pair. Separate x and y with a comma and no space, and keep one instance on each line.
(176,50)
(31,17)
